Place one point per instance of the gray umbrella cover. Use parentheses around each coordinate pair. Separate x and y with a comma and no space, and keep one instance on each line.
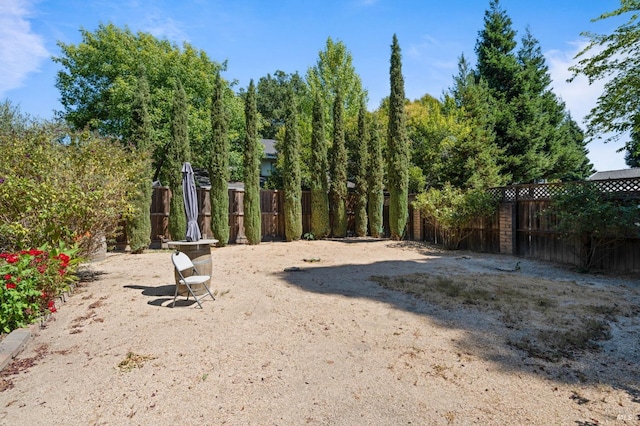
(190,203)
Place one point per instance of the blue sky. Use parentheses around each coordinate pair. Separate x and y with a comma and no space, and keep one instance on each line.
(257,37)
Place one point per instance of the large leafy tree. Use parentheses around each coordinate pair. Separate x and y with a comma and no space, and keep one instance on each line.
(338,173)
(139,224)
(290,150)
(178,152)
(615,57)
(271,99)
(252,151)
(334,73)
(98,80)
(397,148)
(219,165)
(320,226)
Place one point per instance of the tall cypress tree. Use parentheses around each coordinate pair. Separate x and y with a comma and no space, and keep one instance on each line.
(290,149)
(338,186)
(375,182)
(178,152)
(319,168)
(398,149)
(219,166)
(139,225)
(361,159)
(252,217)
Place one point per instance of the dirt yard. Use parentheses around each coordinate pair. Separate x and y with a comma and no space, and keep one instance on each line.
(354,332)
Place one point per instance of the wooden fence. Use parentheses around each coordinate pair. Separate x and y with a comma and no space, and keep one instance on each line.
(520,228)
(272,215)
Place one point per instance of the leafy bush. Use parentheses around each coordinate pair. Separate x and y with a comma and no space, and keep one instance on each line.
(30,280)
(583,213)
(57,185)
(453,210)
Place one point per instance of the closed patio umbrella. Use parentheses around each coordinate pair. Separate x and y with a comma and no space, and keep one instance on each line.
(190,203)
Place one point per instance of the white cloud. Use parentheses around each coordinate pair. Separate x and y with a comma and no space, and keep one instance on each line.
(580,97)
(21,51)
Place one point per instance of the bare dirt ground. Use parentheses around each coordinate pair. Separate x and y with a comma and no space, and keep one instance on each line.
(335,332)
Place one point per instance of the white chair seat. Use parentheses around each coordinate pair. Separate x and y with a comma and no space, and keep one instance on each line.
(195,279)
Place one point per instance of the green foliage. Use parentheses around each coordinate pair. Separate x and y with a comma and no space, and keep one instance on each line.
(615,55)
(219,165)
(290,151)
(453,210)
(61,186)
(632,157)
(583,213)
(361,161)
(98,79)
(320,226)
(334,73)
(252,151)
(338,173)
(530,123)
(30,280)
(397,149)
(375,178)
(138,226)
(417,180)
(271,99)
(178,152)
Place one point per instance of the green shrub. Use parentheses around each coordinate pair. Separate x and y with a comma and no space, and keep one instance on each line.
(57,185)
(453,210)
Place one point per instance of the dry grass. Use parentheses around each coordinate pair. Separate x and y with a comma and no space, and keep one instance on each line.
(133,360)
(550,320)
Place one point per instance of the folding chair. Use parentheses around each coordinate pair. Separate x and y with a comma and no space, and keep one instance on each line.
(183,264)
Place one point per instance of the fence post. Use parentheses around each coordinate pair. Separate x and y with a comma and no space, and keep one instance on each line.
(506,224)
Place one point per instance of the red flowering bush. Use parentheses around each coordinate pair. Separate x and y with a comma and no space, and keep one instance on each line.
(30,280)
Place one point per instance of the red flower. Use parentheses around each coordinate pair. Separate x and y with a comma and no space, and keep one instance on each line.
(34,252)
(61,271)
(10,286)
(12,258)
(7,277)
(51,306)
(42,269)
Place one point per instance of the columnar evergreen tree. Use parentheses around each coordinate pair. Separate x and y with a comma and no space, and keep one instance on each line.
(139,225)
(338,173)
(375,182)
(219,165)
(177,153)
(320,227)
(398,149)
(290,149)
(361,160)
(252,217)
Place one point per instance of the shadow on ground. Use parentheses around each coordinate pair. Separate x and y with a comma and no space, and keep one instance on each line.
(163,295)
(481,335)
